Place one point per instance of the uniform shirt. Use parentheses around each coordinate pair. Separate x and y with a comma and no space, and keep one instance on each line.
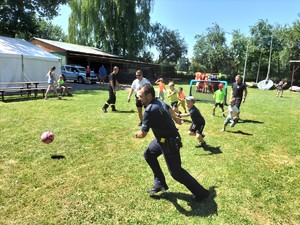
(136,84)
(238,89)
(232,111)
(219,96)
(158,118)
(112,77)
(196,116)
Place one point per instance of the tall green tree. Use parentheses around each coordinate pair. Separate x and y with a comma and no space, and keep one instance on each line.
(21,18)
(211,50)
(116,26)
(49,31)
(238,51)
(169,44)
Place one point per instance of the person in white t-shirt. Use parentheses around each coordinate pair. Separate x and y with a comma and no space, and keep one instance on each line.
(233,114)
(135,86)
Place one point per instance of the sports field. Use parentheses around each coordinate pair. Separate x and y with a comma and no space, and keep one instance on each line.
(100,175)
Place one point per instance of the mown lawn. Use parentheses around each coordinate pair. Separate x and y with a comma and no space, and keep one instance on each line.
(252,169)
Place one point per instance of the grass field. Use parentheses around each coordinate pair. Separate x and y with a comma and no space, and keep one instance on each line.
(252,169)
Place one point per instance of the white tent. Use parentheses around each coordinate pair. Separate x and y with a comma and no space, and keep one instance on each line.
(22,61)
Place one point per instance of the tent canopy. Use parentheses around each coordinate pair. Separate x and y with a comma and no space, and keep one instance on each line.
(22,61)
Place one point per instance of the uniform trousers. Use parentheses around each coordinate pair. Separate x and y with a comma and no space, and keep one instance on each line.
(171,153)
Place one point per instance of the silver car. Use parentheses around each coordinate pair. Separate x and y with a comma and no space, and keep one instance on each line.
(77,74)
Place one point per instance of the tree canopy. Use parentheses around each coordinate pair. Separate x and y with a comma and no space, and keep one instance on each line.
(116,26)
(21,18)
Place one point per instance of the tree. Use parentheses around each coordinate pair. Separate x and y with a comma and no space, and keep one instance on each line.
(184,64)
(116,26)
(49,31)
(210,49)
(170,45)
(21,18)
(238,49)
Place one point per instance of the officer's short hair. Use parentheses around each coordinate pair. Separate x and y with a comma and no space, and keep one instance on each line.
(148,89)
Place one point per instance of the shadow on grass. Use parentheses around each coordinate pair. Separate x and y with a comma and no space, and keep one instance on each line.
(58,157)
(239,132)
(125,111)
(249,121)
(205,208)
(212,149)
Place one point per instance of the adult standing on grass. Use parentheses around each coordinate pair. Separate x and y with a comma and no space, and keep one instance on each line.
(135,86)
(159,117)
(112,90)
(239,91)
(51,82)
(88,74)
(102,73)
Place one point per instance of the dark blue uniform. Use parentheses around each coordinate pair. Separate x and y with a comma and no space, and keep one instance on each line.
(112,96)
(168,143)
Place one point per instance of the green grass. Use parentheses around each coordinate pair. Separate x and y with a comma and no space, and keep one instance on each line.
(254,167)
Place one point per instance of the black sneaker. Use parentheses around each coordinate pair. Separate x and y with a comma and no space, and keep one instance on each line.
(104,110)
(157,189)
(114,110)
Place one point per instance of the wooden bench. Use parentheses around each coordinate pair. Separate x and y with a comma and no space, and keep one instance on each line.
(16,88)
(28,87)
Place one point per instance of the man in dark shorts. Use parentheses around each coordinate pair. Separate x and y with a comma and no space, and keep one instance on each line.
(159,117)
(135,86)
(239,90)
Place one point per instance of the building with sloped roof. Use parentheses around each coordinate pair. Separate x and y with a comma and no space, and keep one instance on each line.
(94,57)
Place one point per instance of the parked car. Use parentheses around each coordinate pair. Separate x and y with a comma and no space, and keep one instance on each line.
(77,74)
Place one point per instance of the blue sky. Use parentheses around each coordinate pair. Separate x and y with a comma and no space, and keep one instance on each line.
(192,17)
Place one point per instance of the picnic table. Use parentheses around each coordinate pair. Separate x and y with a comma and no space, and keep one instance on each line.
(21,88)
(28,87)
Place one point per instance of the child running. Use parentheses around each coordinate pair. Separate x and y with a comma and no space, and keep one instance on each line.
(173,96)
(219,96)
(233,114)
(162,89)
(181,99)
(198,121)
(51,83)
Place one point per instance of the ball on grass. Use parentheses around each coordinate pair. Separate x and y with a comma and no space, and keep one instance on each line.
(47,137)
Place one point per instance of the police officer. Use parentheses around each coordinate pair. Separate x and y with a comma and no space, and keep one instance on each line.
(158,116)
(112,90)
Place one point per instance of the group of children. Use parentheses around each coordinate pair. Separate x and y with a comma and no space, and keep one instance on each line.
(177,98)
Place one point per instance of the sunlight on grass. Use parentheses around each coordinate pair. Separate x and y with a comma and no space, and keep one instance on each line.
(102,177)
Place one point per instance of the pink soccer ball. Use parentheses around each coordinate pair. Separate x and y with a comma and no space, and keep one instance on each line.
(47,137)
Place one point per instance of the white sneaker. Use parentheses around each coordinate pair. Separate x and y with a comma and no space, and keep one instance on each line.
(223,130)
